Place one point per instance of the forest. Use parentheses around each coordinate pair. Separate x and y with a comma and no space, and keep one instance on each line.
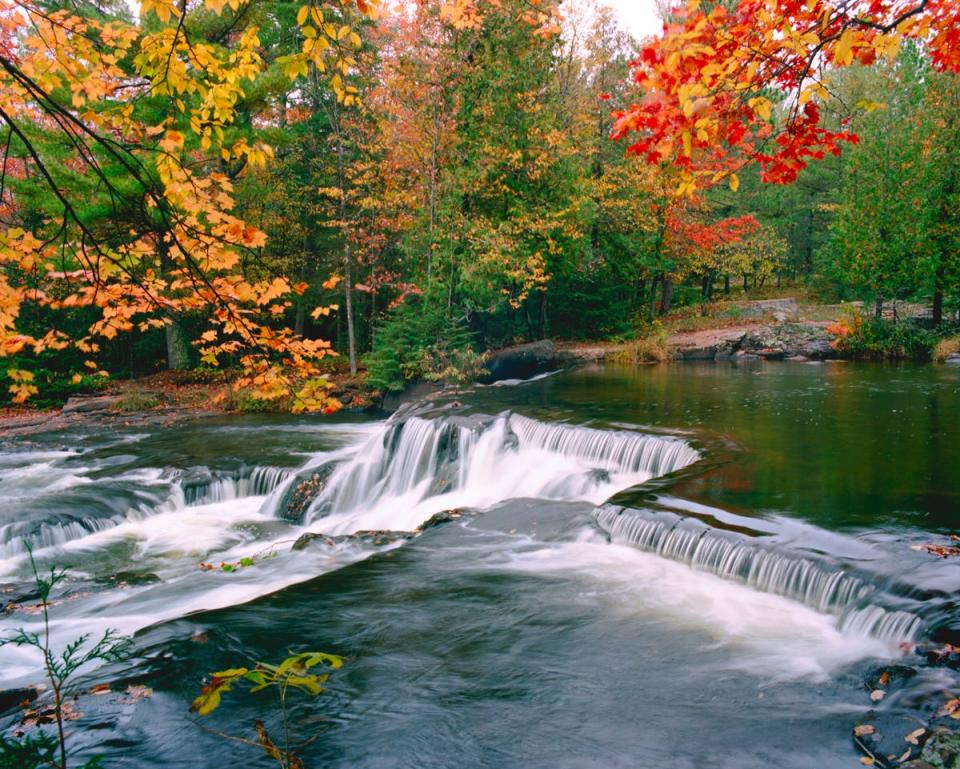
(475,384)
(295,192)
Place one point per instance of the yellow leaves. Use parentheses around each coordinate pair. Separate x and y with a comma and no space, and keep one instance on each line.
(761,106)
(870,106)
(331,283)
(302,15)
(843,49)
(734,182)
(22,387)
(163,9)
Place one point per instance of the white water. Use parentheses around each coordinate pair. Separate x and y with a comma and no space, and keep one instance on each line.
(395,476)
(760,633)
(825,587)
(421,467)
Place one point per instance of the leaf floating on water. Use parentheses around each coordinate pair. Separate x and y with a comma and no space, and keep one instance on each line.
(905,756)
(101,689)
(134,693)
(864,729)
(941,551)
(952,709)
(884,678)
(867,761)
(914,737)
(877,694)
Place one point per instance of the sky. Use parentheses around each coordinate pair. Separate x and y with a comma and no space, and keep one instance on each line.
(639,17)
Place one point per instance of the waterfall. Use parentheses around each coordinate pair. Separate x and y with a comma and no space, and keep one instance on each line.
(416,467)
(83,507)
(811,580)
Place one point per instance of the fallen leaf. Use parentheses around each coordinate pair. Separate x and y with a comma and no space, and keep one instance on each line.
(877,694)
(867,761)
(905,756)
(884,678)
(134,693)
(914,737)
(100,689)
(864,729)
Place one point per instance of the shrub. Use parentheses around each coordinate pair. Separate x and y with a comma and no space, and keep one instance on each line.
(873,339)
(945,348)
(418,341)
(653,348)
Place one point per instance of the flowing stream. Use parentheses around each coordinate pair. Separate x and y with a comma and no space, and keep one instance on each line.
(655,567)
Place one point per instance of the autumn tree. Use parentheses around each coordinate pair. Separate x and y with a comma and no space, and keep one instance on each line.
(123,138)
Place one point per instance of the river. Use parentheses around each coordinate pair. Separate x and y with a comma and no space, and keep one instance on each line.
(667,566)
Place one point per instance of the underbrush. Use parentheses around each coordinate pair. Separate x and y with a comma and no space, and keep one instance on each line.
(863,338)
(946,348)
(652,348)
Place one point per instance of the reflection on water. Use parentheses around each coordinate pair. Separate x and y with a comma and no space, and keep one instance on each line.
(760,570)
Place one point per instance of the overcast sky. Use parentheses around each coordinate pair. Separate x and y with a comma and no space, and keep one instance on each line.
(638,16)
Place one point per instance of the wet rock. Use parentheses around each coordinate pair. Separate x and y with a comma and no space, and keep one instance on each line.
(304,541)
(14,698)
(889,676)
(525,361)
(953,360)
(130,578)
(86,404)
(304,489)
(942,750)
(439,519)
(374,538)
(415,391)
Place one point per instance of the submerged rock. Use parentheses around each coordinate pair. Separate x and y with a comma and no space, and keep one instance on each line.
(941,750)
(375,538)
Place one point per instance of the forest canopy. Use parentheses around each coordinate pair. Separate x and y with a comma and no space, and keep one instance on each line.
(275,187)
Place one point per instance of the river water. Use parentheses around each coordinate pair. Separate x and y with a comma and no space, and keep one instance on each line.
(671,566)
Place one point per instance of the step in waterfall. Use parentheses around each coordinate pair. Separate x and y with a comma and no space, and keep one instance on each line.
(861,606)
(416,467)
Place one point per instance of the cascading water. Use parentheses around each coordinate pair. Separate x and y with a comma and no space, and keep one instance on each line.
(417,467)
(821,585)
(77,504)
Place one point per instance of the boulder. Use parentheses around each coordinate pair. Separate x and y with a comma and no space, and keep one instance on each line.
(524,361)
(85,404)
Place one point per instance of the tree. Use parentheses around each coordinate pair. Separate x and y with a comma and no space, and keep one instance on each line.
(122,148)
(710,86)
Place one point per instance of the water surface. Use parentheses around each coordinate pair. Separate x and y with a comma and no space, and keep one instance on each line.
(755,571)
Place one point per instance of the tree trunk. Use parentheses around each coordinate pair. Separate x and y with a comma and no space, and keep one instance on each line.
(348,303)
(652,305)
(666,297)
(745,287)
(938,295)
(300,319)
(878,307)
(178,353)
(726,284)
(542,320)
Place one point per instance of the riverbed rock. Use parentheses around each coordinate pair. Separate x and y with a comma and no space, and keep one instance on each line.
(942,749)
(953,360)
(525,361)
(86,404)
